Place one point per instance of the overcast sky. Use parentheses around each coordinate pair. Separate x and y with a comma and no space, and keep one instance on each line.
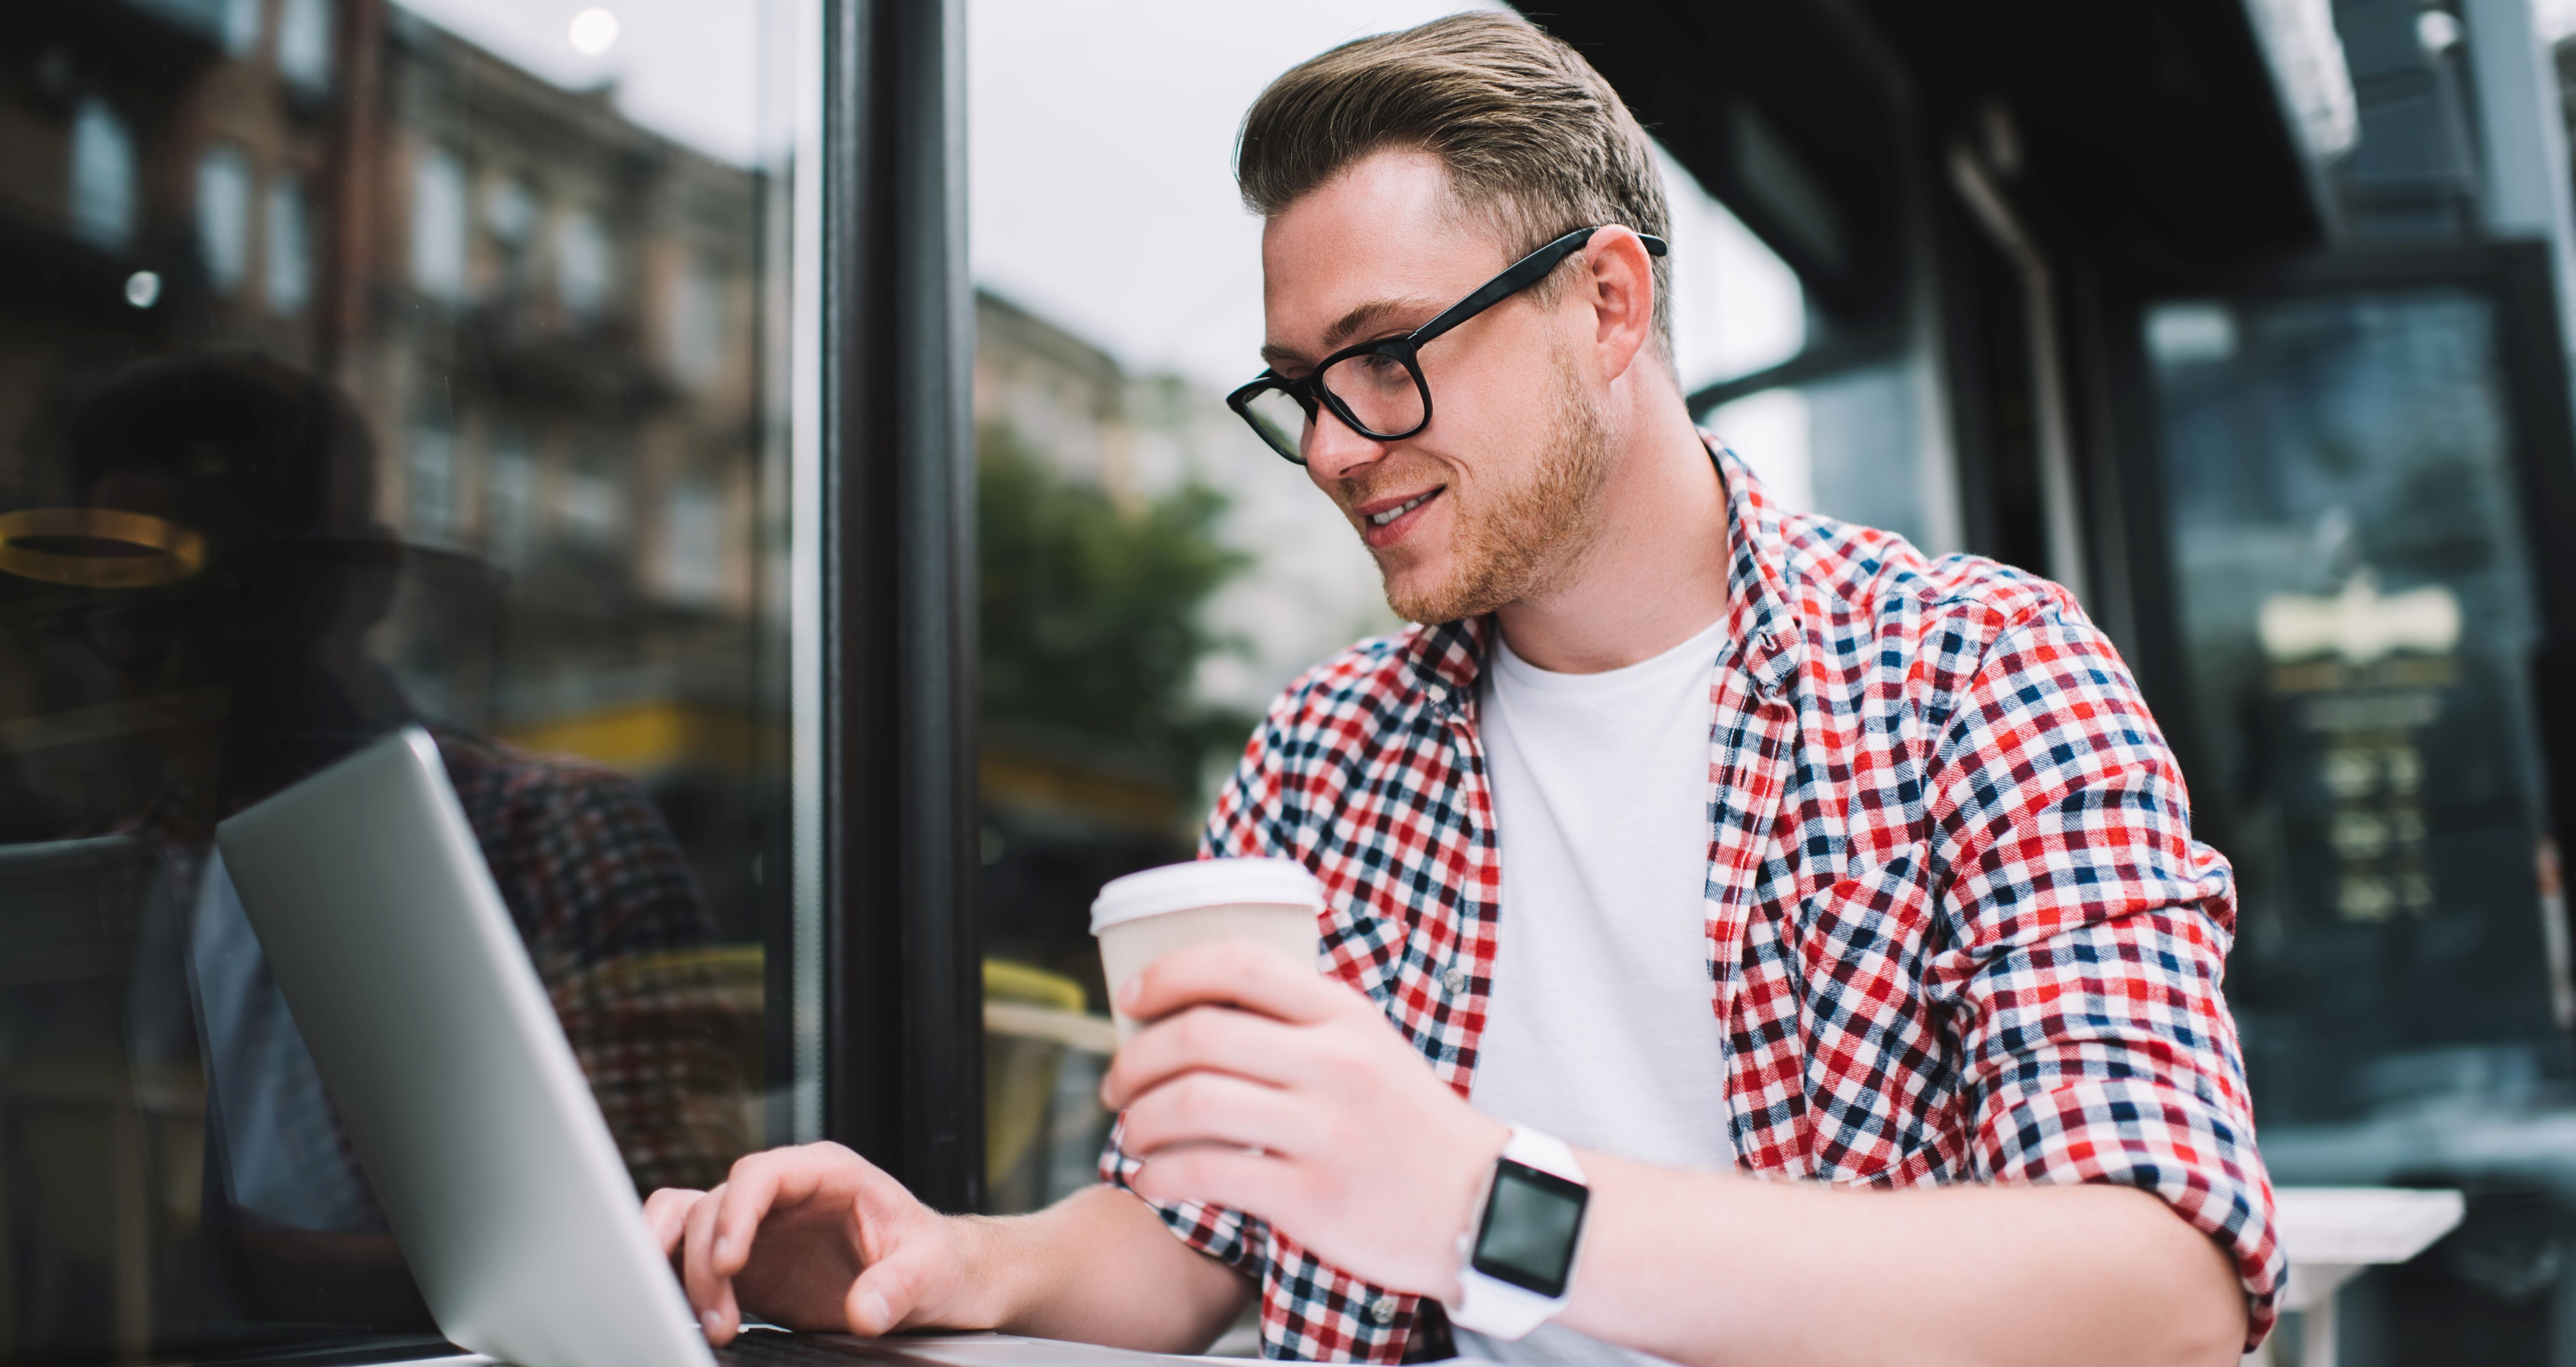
(1101,136)
(686,68)
(1102,141)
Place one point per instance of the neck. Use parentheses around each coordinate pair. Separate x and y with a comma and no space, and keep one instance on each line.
(1653,573)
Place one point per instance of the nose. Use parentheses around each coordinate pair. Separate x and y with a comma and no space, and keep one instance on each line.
(1334,451)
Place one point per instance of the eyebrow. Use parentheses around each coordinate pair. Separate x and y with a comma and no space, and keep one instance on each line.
(1344,328)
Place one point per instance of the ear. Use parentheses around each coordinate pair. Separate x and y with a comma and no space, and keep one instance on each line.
(1621,292)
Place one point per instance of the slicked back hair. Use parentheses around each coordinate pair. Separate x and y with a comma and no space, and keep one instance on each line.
(1537,144)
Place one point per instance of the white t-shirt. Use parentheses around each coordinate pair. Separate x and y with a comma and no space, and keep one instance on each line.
(1601,1028)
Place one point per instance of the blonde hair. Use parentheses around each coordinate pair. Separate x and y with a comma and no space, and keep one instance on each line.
(1536,143)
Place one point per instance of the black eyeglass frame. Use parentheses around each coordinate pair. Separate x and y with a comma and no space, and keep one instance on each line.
(1309,389)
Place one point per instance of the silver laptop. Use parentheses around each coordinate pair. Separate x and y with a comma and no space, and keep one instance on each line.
(392,946)
(394,950)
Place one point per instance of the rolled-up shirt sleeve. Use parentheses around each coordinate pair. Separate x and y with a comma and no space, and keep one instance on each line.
(2089,934)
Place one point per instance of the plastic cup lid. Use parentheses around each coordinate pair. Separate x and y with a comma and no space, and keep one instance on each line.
(1206,883)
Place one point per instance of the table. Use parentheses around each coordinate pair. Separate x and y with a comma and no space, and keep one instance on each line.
(2332,1233)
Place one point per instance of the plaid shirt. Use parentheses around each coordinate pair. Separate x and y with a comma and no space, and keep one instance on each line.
(1958,929)
(665,1022)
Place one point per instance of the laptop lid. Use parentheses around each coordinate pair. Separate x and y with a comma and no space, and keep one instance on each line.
(398,958)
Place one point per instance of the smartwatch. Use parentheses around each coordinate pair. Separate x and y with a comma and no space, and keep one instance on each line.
(1516,1260)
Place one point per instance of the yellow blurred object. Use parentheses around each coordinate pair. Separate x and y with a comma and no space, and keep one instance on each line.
(1031,1018)
(1009,982)
(647,736)
(151,551)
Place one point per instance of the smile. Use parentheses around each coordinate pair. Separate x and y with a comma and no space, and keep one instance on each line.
(1399,510)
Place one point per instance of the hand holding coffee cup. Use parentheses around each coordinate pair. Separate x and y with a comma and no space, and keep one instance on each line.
(1272,903)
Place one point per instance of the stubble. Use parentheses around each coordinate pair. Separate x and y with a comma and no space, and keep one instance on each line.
(1519,540)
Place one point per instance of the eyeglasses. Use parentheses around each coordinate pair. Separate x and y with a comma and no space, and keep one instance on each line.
(1376,388)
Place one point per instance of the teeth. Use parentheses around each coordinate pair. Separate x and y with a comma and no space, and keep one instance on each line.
(1391,514)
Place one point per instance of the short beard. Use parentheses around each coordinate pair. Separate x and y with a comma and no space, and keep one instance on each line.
(1533,533)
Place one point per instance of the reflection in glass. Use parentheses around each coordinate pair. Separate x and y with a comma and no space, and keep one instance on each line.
(431,496)
(241,26)
(1150,576)
(242,533)
(286,272)
(223,216)
(438,226)
(304,43)
(2358,618)
(1847,446)
(509,497)
(582,265)
(102,189)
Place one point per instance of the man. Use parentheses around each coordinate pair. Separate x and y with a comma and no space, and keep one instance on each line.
(1720,844)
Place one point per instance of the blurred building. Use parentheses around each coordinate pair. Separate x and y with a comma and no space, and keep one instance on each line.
(1074,799)
(550,321)
(546,312)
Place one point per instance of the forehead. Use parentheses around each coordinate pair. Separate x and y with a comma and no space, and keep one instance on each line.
(1386,232)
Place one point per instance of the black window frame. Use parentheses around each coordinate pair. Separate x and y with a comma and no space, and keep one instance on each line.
(902,1049)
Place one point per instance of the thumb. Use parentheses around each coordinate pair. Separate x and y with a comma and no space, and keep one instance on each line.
(887,1293)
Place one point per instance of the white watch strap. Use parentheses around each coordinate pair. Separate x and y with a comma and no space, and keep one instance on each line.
(1489,1305)
(1545,1152)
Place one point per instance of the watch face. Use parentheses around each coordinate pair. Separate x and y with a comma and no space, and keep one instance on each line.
(1531,1221)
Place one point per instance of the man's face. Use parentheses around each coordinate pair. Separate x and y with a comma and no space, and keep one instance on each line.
(1495,496)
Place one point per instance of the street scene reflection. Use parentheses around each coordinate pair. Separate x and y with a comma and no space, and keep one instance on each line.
(364,366)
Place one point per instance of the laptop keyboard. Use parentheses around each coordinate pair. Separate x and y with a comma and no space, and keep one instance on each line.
(769,1348)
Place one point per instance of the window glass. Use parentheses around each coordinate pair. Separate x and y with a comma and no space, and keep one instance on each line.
(223,216)
(1737,307)
(304,43)
(429,496)
(1152,576)
(582,264)
(1847,445)
(275,482)
(102,189)
(438,225)
(2358,620)
(241,26)
(287,271)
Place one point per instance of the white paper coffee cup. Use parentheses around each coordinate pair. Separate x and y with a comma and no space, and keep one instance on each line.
(1272,903)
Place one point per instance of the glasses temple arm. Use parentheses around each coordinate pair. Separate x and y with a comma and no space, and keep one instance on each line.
(1520,275)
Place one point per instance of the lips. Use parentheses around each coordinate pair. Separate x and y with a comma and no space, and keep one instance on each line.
(1384,522)
(1399,510)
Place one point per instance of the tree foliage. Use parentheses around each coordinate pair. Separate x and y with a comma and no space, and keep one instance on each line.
(1091,613)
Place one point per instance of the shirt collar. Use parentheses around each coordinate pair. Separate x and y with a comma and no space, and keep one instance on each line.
(1761,637)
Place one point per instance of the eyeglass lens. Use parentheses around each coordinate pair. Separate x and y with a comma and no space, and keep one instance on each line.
(1281,421)
(1379,390)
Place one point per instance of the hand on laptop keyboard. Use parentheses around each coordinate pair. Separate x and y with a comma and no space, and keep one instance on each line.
(814,1238)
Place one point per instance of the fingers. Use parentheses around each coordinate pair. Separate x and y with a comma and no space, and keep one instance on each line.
(721,1226)
(1215,1038)
(1211,1108)
(666,1213)
(1221,1176)
(710,1292)
(735,1209)
(886,1294)
(1240,975)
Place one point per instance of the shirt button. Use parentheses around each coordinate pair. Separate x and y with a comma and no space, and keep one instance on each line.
(1382,1311)
(1455,979)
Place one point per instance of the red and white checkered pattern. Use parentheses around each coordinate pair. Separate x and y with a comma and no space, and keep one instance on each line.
(1958,928)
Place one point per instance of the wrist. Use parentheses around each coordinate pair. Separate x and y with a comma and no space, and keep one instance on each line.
(1471,1178)
(1516,1261)
(990,1292)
